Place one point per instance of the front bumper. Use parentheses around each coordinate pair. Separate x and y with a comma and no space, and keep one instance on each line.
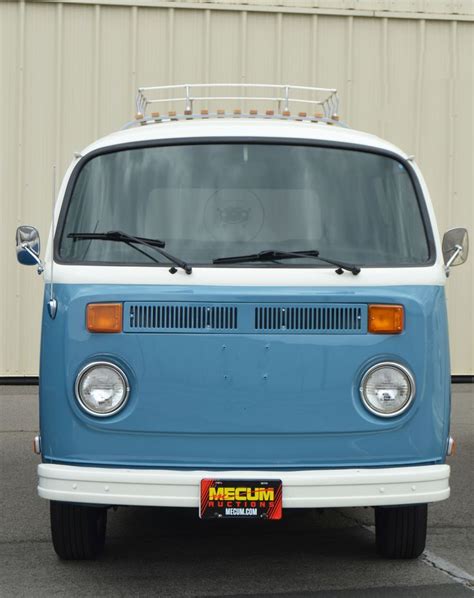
(301,489)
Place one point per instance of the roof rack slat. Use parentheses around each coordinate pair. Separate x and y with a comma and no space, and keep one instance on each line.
(280,94)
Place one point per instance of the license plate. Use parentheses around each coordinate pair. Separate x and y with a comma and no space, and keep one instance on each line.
(246,499)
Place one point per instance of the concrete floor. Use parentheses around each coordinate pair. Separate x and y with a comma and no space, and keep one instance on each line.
(172,553)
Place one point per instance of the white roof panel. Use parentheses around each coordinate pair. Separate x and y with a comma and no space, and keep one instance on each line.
(242,127)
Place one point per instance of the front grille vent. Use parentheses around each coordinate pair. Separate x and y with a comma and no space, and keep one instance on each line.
(315,318)
(244,318)
(181,317)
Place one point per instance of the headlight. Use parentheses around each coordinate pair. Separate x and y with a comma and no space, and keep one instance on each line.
(387,389)
(102,388)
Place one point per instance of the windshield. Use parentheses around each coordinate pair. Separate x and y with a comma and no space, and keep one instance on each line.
(207,201)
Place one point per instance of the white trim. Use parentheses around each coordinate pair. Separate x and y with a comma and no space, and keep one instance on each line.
(258,277)
(301,489)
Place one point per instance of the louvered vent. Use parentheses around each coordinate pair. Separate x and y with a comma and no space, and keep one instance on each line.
(331,318)
(245,318)
(156,317)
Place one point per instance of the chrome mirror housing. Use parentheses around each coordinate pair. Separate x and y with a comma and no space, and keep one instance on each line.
(28,246)
(455,247)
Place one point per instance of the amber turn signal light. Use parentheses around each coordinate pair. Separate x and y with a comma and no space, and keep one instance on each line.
(104,317)
(386,319)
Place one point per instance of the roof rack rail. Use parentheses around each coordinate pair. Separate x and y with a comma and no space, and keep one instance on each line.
(282,96)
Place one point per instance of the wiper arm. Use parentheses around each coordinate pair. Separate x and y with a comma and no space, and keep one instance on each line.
(120,236)
(272,255)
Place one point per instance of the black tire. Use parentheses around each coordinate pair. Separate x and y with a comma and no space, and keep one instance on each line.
(78,531)
(401,531)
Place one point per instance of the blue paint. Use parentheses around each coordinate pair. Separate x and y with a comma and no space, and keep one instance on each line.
(249,399)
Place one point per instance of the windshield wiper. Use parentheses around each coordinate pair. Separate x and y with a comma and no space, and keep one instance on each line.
(122,237)
(271,255)
(117,235)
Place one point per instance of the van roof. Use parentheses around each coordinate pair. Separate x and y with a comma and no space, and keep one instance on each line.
(241,127)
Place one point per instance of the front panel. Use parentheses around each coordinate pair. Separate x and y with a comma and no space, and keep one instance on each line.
(245,377)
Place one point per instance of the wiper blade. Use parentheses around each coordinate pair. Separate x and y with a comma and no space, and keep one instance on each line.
(155,244)
(271,255)
(116,235)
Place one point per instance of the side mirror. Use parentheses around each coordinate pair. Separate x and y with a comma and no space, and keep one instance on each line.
(28,246)
(455,247)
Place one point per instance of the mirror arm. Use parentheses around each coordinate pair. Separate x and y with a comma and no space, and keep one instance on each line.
(458,250)
(35,256)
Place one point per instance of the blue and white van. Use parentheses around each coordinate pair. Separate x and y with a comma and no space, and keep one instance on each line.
(244,313)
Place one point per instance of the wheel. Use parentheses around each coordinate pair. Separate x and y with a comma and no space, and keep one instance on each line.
(401,531)
(78,531)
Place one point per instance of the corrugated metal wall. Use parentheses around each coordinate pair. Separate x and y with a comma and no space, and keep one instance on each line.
(69,71)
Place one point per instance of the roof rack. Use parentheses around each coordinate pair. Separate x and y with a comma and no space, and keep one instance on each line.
(281,96)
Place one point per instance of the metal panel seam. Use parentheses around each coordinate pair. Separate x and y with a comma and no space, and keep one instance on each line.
(266,8)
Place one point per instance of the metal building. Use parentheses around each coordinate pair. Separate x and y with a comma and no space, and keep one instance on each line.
(70,69)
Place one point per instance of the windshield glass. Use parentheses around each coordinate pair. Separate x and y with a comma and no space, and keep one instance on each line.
(214,200)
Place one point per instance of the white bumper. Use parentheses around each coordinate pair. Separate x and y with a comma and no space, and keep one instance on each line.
(304,488)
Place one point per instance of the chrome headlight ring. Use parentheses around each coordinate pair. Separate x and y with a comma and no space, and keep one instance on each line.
(387,390)
(110,385)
